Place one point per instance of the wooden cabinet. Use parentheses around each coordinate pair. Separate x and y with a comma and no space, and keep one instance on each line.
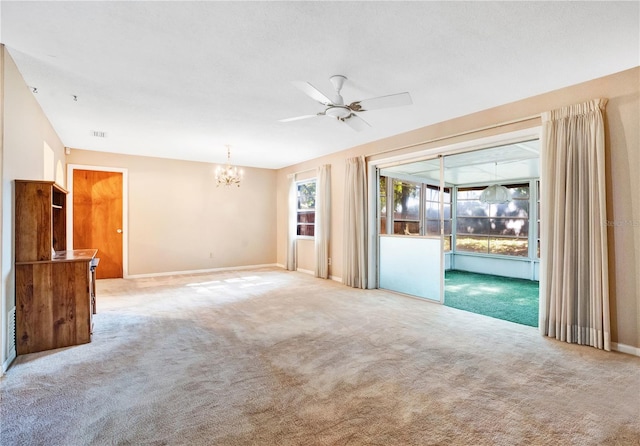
(53,286)
(41,222)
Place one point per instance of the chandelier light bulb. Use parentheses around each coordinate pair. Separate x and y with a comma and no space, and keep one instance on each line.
(229,175)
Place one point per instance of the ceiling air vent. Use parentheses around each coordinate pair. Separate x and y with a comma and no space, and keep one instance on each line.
(98,134)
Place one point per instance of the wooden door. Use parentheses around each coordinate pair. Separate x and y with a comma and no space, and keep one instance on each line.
(97,218)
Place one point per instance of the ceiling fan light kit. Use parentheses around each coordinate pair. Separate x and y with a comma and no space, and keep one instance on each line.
(337,109)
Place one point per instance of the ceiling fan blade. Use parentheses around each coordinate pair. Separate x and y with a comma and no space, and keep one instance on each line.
(392,100)
(313,92)
(297,118)
(356,122)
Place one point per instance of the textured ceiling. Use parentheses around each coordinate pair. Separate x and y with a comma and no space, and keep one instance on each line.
(184,79)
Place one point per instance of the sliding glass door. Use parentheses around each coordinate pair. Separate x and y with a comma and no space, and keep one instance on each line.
(412,229)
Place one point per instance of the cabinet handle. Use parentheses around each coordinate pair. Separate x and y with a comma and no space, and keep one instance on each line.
(119,231)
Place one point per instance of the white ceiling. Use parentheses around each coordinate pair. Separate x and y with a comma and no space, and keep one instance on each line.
(184,79)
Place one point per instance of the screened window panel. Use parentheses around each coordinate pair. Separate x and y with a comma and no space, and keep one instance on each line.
(406,200)
(472,244)
(432,210)
(433,227)
(509,246)
(406,227)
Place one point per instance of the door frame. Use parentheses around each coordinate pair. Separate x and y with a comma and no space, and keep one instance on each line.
(125,208)
(374,165)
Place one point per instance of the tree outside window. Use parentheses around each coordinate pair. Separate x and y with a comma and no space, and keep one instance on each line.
(407,217)
(382,205)
(493,228)
(306,208)
(406,212)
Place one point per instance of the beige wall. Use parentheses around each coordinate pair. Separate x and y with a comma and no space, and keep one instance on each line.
(305,252)
(180,221)
(31,150)
(623,172)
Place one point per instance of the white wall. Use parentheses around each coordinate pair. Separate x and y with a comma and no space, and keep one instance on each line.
(31,151)
(519,268)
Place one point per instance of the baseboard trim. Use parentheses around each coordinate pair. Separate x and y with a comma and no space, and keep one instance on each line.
(306,271)
(9,361)
(624,348)
(201,271)
(312,273)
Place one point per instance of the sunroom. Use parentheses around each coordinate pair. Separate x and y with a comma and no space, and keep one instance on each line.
(473,211)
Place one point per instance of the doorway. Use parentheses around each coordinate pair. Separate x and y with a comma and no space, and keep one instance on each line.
(98,216)
(480,240)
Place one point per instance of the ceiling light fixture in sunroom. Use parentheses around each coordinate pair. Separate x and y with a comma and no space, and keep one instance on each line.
(495,194)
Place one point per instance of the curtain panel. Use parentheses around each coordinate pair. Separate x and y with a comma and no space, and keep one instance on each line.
(574,298)
(292,223)
(354,273)
(323,220)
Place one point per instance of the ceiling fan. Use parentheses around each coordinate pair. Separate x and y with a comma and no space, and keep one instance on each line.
(337,109)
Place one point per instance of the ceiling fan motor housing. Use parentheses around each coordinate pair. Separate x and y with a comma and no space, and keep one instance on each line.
(348,114)
(338,81)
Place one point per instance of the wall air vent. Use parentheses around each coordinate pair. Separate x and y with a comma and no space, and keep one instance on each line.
(98,134)
(11,331)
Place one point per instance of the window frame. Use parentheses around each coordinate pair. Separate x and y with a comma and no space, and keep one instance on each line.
(532,220)
(300,211)
(530,184)
(419,220)
(389,212)
(447,237)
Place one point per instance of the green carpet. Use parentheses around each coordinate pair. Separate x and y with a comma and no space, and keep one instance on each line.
(514,300)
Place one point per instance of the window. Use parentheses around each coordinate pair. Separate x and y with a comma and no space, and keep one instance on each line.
(432,213)
(493,228)
(306,208)
(410,216)
(382,205)
(406,209)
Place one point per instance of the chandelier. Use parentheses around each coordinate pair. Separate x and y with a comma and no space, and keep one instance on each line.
(495,194)
(229,175)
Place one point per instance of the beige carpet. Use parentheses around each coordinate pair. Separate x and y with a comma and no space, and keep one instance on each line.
(269,357)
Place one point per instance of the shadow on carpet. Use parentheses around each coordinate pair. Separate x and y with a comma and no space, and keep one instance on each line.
(505,298)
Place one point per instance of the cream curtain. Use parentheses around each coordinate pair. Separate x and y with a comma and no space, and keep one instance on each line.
(323,220)
(292,226)
(354,271)
(574,298)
